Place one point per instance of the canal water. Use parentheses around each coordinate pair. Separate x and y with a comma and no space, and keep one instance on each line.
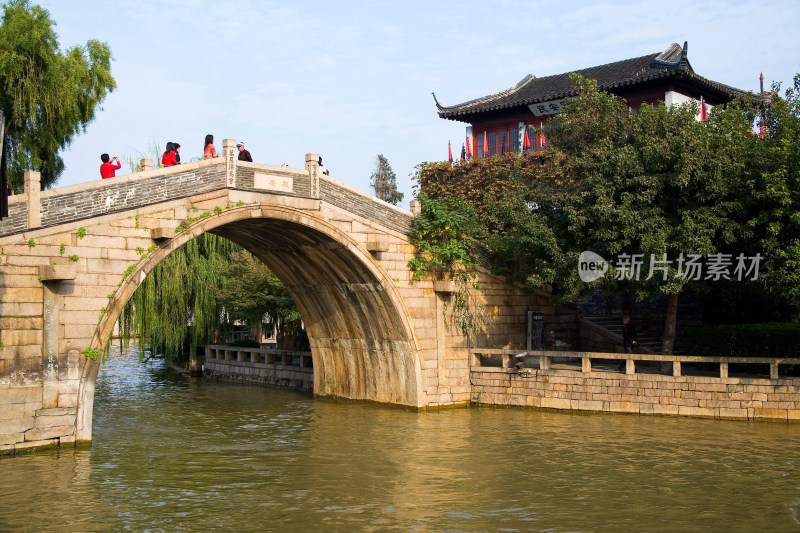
(172,453)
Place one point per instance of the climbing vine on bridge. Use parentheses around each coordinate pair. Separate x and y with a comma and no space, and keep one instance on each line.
(447,236)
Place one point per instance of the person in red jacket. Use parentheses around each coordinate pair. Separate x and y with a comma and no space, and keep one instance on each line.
(109,167)
(169,159)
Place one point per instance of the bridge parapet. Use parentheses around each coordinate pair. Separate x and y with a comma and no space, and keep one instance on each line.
(103,197)
(37,209)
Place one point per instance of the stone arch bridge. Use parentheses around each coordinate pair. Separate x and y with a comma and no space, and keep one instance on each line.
(72,257)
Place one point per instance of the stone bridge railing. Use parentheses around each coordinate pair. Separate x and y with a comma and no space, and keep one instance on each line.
(543,360)
(270,356)
(280,368)
(37,209)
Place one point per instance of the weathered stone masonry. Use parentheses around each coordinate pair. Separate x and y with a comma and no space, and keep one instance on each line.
(68,268)
(647,394)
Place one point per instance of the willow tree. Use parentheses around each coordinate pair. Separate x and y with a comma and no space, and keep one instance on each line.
(47,97)
(196,292)
(175,308)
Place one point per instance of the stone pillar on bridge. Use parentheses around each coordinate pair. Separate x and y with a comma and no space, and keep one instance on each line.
(312,166)
(229,151)
(33,188)
(145,165)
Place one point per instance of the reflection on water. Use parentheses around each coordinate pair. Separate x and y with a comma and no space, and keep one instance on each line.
(173,453)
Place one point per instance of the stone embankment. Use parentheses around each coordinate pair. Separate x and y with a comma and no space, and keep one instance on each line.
(584,381)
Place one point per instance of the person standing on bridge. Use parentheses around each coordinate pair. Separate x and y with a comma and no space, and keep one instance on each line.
(209,152)
(177,152)
(110,166)
(168,159)
(244,155)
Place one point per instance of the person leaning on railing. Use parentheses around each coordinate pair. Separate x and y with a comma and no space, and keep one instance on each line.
(209,152)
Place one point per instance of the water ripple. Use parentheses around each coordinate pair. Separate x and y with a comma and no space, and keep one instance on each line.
(183,454)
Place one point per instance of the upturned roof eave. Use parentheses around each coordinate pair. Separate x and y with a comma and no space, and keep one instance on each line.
(673,62)
(478,106)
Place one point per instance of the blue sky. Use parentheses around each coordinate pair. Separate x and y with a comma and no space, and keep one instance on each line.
(350,80)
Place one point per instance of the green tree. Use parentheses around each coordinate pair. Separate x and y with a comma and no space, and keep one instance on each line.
(773,193)
(519,209)
(175,308)
(252,290)
(657,183)
(384,182)
(447,236)
(46,96)
(196,292)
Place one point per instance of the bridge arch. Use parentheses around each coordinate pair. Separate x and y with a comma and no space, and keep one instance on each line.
(362,341)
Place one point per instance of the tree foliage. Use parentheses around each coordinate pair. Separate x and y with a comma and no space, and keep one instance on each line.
(251,290)
(384,181)
(47,97)
(175,308)
(773,193)
(655,182)
(198,291)
(447,236)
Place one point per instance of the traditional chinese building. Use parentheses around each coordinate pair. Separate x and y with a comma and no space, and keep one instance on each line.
(500,120)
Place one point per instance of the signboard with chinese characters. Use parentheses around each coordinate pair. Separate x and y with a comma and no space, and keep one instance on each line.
(230,163)
(553,107)
(272,182)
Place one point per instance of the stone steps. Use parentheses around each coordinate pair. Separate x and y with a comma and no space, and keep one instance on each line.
(649,341)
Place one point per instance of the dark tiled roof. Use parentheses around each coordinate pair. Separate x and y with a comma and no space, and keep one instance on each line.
(672,63)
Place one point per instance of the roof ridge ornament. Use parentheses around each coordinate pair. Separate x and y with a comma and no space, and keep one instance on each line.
(672,56)
(524,80)
(438,105)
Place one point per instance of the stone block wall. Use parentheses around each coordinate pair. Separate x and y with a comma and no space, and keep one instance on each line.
(442,350)
(646,394)
(357,203)
(281,376)
(40,412)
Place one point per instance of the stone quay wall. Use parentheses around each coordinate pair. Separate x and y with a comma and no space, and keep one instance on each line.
(262,366)
(734,398)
